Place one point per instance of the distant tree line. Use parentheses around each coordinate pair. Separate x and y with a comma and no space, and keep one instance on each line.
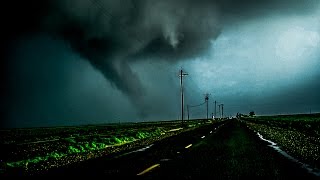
(251,114)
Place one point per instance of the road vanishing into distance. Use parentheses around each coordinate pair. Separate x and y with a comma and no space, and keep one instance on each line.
(227,149)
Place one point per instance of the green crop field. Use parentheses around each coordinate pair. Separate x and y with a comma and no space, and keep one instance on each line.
(29,151)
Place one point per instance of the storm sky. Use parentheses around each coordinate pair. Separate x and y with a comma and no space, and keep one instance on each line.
(71,62)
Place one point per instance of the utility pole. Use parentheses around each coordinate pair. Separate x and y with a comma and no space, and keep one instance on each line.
(215,108)
(207,100)
(222,109)
(219,111)
(181,74)
(188,111)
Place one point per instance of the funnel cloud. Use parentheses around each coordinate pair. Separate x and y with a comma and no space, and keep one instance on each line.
(125,41)
(111,33)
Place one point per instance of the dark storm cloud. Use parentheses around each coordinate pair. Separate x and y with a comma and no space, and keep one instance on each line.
(109,33)
(112,34)
(262,7)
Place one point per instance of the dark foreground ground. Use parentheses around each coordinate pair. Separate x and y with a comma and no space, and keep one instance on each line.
(226,150)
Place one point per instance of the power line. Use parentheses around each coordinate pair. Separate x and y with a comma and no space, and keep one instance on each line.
(198,105)
(188,108)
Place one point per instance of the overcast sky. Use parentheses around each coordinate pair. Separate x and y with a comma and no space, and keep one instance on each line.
(86,62)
